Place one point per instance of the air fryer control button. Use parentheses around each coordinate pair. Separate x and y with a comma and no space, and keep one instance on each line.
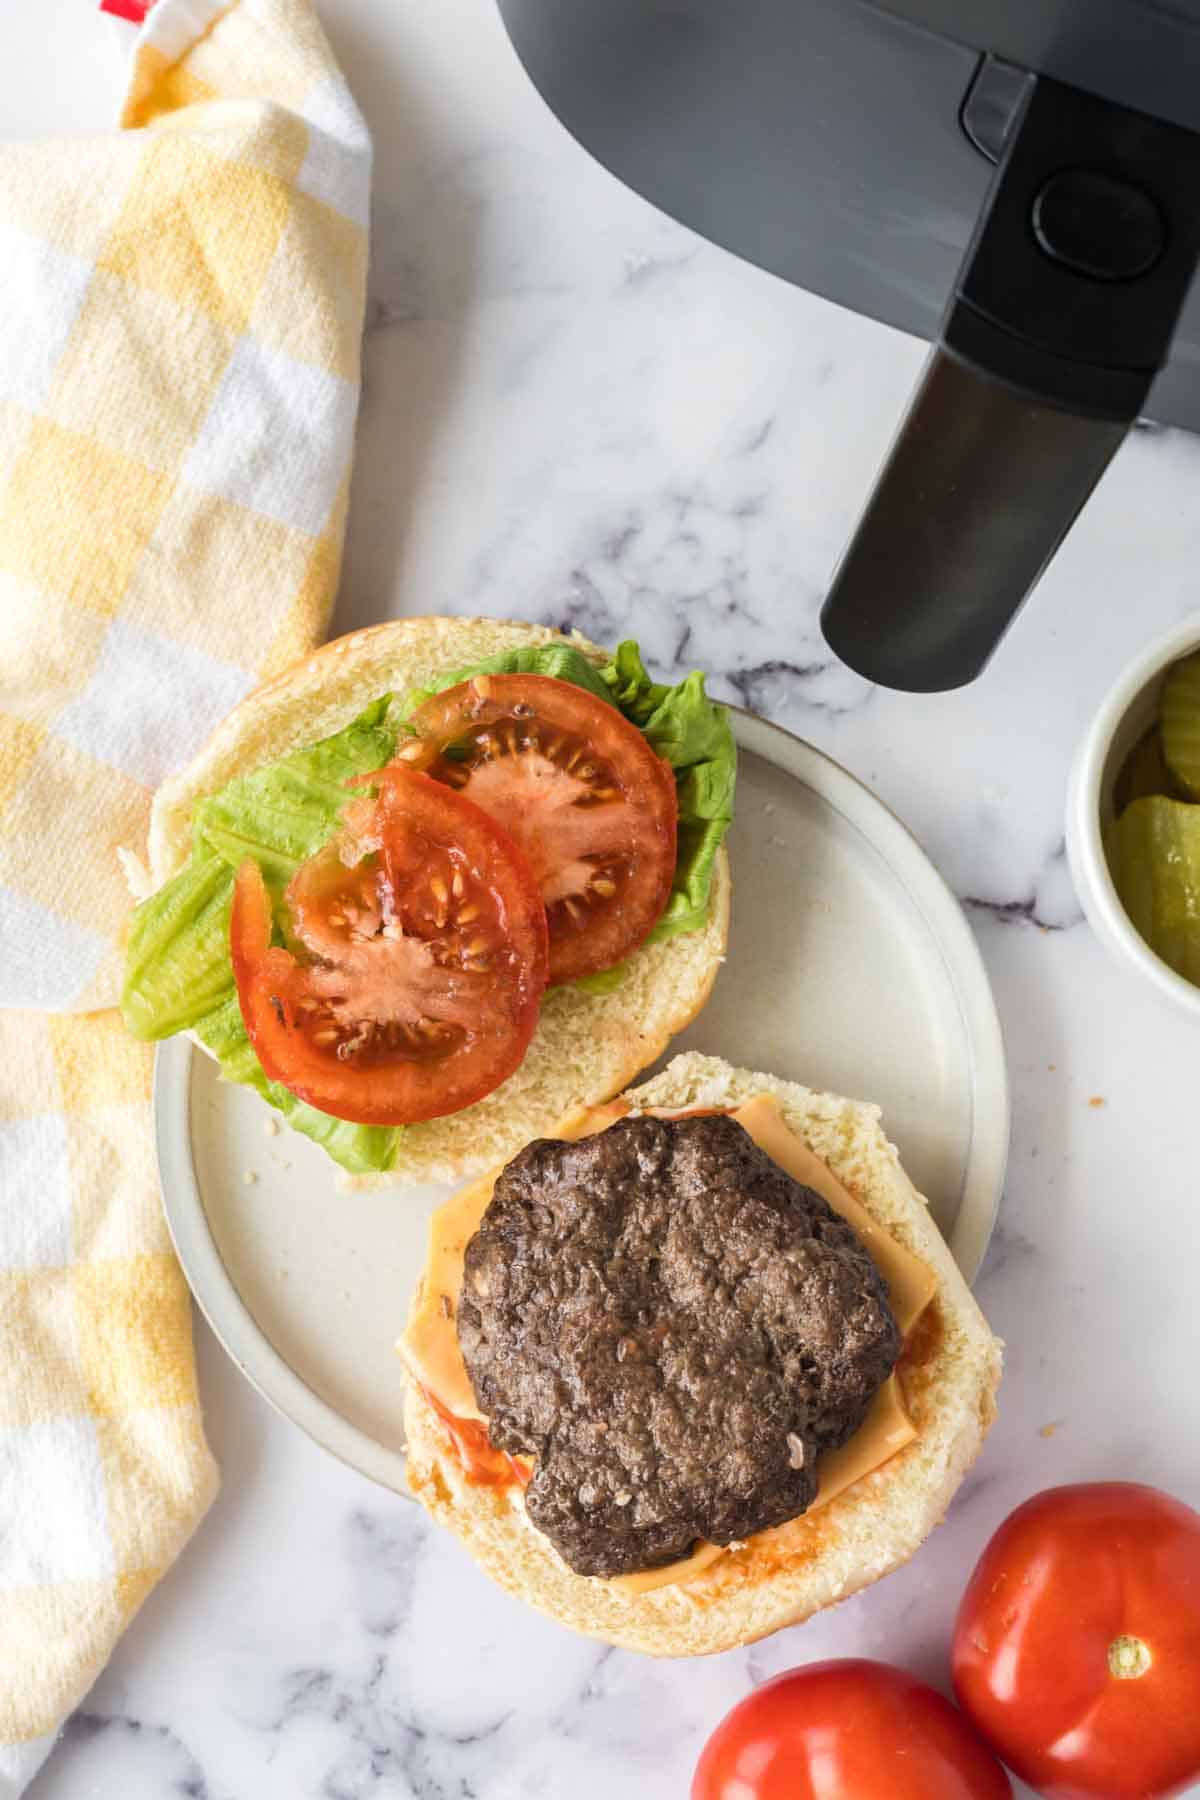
(1098,225)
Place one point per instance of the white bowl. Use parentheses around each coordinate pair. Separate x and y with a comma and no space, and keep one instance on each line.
(1125,715)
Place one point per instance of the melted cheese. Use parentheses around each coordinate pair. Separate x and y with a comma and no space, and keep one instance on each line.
(430,1342)
(673,1575)
(911,1284)
(886,1430)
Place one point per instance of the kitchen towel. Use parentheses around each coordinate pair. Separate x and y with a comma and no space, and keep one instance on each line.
(180,318)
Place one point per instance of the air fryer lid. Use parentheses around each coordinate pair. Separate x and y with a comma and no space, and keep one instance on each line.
(822,139)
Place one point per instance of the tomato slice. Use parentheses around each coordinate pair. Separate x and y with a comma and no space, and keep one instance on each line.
(417,959)
(581,792)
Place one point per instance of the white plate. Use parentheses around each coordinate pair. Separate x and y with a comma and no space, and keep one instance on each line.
(850,967)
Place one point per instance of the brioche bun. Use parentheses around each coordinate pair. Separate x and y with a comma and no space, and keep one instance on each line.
(587,1046)
(951,1371)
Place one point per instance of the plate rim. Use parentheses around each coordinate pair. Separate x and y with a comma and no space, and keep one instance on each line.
(215,1293)
(251,1351)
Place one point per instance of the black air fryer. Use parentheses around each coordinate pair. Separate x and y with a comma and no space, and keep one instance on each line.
(1018,181)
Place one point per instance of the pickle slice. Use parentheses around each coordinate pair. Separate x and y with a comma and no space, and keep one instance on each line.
(1179,717)
(1153,852)
(1144,771)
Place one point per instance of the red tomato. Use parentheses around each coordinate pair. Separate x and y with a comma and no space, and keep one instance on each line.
(848,1730)
(417,966)
(578,788)
(1077,1649)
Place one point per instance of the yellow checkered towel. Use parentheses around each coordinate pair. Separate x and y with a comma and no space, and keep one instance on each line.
(180,315)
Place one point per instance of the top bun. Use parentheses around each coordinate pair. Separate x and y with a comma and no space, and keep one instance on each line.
(587,1047)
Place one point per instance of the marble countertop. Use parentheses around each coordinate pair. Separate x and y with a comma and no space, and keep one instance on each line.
(575,410)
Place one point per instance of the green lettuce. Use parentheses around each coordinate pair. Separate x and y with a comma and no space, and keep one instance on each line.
(604,981)
(178,973)
(693,734)
(559,660)
(283,814)
(177,954)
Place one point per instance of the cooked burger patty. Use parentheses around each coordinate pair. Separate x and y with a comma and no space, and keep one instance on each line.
(674,1329)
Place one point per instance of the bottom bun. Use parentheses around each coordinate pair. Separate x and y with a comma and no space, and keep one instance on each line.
(951,1370)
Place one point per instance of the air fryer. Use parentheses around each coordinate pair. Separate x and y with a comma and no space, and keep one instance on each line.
(1018,182)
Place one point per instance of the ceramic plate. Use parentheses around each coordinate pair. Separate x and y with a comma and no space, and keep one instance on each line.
(850,967)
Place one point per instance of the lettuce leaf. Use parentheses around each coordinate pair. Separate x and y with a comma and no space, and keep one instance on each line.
(693,734)
(283,814)
(559,660)
(178,973)
(177,954)
(604,981)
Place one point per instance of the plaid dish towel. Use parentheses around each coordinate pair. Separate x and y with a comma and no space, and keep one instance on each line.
(180,313)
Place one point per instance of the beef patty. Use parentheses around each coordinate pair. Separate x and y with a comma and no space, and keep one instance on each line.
(674,1329)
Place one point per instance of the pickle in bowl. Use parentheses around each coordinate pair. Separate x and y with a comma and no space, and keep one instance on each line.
(1153,843)
(1144,771)
(1179,723)
(1153,850)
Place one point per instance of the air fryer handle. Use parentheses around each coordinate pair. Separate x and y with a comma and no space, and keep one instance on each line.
(978,492)
(1061,315)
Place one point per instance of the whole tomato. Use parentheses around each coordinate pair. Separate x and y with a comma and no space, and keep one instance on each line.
(848,1730)
(1077,1648)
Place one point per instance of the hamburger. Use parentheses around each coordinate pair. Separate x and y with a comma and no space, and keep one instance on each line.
(695,1367)
(437,884)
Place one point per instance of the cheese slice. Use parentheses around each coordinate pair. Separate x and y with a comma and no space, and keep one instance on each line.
(911,1283)
(675,1574)
(430,1348)
(886,1430)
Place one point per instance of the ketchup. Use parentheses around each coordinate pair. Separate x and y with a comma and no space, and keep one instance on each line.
(481,1462)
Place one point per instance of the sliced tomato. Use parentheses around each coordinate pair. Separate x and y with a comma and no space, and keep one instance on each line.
(417,959)
(579,790)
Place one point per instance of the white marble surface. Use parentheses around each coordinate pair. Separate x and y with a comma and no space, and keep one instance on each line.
(577,411)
